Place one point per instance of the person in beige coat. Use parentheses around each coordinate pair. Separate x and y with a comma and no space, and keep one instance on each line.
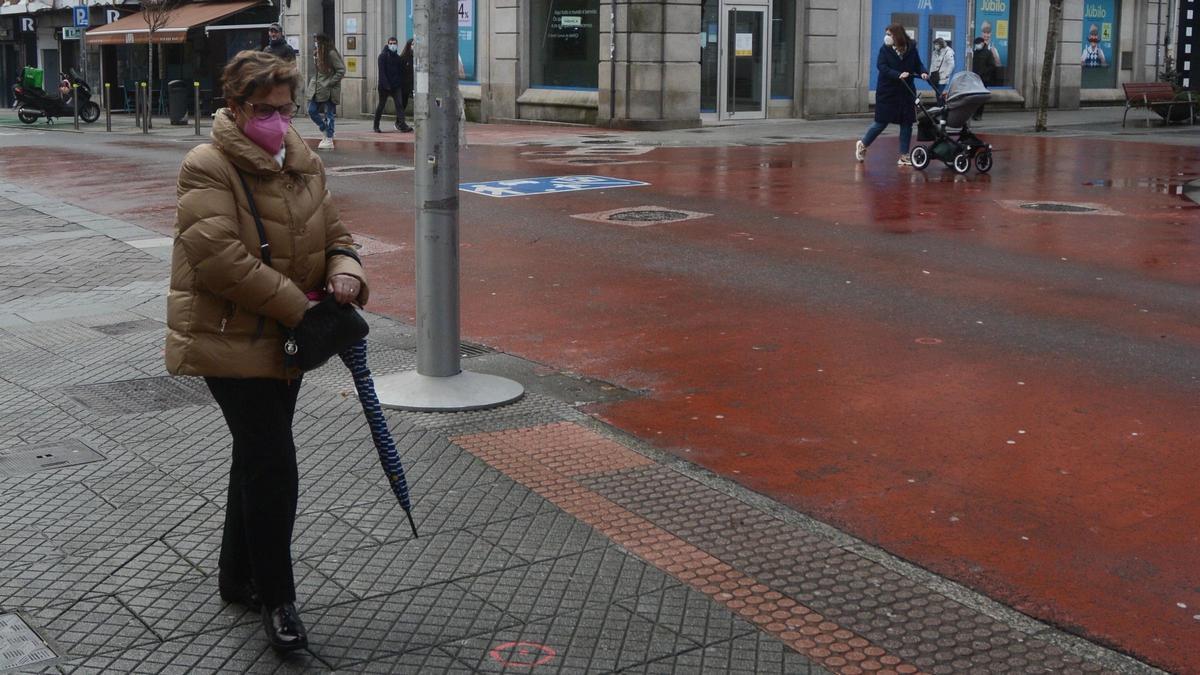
(326,87)
(225,309)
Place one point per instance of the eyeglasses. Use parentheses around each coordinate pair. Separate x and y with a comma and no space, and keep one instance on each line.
(264,111)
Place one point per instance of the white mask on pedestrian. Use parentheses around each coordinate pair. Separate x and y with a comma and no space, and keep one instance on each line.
(394,47)
(887,40)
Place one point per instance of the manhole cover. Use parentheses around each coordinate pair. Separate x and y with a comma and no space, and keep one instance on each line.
(127,327)
(21,646)
(1056,207)
(365,168)
(154,394)
(370,245)
(645,216)
(28,459)
(642,216)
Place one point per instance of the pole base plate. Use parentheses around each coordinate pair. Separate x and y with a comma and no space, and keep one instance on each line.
(464,391)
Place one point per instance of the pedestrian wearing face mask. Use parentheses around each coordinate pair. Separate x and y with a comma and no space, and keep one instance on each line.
(941,66)
(257,183)
(898,64)
(277,45)
(395,81)
(326,87)
(983,64)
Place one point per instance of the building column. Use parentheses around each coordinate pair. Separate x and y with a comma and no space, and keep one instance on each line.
(834,72)
(499,61)
(656,81)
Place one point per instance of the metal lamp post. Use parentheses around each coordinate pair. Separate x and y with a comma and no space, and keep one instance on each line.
(439,383)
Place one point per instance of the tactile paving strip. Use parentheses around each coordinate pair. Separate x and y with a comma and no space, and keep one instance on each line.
(790,583)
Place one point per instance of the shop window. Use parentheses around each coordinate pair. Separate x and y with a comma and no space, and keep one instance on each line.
(993,23)
(783,47)
(564,43)
(1099,58)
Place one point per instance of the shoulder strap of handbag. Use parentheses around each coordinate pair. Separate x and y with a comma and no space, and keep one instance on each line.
(264,246)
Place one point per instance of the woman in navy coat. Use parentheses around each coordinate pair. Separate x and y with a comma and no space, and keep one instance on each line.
(898,63)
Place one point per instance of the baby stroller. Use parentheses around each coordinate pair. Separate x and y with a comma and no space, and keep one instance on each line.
(947,127)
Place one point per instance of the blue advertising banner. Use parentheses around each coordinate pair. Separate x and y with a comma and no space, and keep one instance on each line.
(991,23)
(1098,59)
(466,34)
(923,20)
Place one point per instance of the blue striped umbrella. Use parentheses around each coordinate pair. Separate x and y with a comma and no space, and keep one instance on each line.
(355,359)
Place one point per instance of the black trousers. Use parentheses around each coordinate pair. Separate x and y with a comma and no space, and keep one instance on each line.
(260,510)
(399,98)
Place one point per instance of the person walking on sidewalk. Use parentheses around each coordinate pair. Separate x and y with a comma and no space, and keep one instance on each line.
(898,63)
(983,64)
(395,81)
(256,183)
(277,45)
(941,66)
(326,88)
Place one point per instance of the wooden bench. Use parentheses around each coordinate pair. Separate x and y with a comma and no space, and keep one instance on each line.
(1159,97)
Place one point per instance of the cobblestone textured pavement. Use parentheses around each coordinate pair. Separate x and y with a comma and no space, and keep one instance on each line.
(548,543)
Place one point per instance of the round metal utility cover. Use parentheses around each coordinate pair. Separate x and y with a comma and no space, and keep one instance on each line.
(365,168)
(646,216)
(1057,208)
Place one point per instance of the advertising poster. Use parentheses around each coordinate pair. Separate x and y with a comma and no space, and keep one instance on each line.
(1098,58)
(991,23)
(466,34)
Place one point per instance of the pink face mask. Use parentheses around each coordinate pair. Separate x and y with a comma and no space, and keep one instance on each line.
(267,134)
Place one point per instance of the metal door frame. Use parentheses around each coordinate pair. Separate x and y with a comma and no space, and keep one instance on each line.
(723,61)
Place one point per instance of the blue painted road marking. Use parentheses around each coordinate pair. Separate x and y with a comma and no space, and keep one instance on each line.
(523,187)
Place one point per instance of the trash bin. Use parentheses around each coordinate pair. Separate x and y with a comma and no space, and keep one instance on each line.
(177,101)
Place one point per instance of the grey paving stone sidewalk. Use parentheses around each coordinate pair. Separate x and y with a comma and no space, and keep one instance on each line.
(112,480)
(114,561)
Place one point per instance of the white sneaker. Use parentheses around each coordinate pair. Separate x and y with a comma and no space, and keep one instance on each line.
(860,151)
(904,160)
(325,144)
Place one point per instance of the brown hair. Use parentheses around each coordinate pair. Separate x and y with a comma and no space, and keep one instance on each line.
(324,44)
(250,71)
(899,37)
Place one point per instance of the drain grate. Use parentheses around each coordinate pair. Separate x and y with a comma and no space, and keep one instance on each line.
(469,349)
(154,394)
(646,216)
(1057,207)
(21,646)
(27,459)
(128,327)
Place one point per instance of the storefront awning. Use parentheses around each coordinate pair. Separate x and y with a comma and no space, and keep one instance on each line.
(133,29)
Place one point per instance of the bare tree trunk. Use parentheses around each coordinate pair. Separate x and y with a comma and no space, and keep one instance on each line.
(1048,59)
(150,77)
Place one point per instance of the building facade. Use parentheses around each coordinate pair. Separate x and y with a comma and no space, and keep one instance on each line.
(674,63)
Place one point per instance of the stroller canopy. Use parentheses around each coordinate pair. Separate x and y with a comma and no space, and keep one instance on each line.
(964,84)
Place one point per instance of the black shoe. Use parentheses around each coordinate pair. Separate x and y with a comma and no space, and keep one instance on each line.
(239,592)
(405,129)
(377,130)
(284,629)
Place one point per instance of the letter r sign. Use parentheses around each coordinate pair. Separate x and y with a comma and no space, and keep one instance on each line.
(26,24)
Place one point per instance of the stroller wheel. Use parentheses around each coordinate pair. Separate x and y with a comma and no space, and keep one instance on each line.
(983,162)
(962,163)
(919,157)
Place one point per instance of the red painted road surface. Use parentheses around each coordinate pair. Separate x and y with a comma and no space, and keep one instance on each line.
(1006,397)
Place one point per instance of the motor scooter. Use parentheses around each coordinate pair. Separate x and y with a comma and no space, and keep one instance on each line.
(34,103)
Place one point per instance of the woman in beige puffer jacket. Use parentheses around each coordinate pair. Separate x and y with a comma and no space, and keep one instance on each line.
(226,306)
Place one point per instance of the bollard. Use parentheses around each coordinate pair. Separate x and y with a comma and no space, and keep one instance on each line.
(145,109)
(75,103)
(196,108)
(108,106)
(137,107)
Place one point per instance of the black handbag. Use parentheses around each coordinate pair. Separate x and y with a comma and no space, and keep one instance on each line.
(326,329)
